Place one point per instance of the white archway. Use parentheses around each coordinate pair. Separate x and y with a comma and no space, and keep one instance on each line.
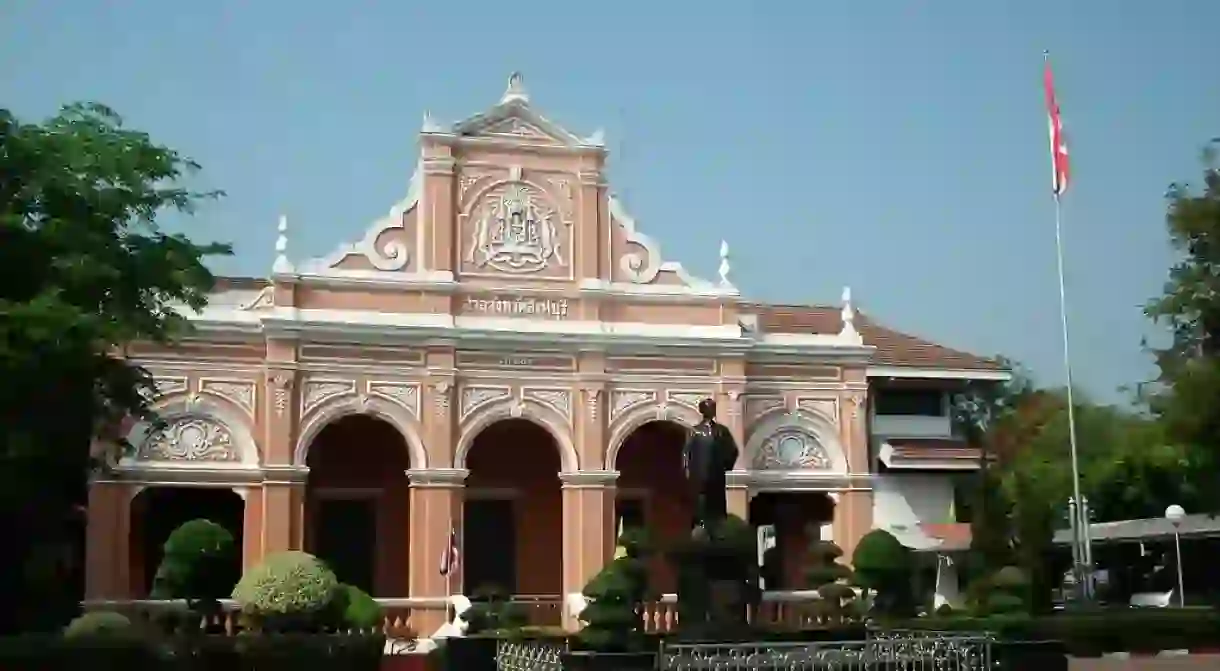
(530,410)
(210,420)
(818,432)
(639,416)
(395,415)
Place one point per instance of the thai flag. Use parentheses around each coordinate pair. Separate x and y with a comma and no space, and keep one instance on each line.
(449,560)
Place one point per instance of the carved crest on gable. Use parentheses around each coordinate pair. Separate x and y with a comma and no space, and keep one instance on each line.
(516,231)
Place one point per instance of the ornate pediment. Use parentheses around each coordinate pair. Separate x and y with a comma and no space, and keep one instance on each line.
(513,119)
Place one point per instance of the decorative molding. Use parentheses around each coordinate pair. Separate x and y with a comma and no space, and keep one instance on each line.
(757,406)
(792,448)
(441,392)
(285,474)
(582,479)
(644,268)
(319,390)
(401,393)
(689,399)
(455,477)
(622,400)
(855,401)
(827,408)
(799,481)
(168,386)
(477,396)
(592,401)
(239,392)
(280,385)
(391,256)
(559,400)
(189,438)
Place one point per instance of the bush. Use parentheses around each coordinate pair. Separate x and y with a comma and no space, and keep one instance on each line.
(491,610)
(199,562)
(825,574)
(99,624)
(1091,633)
(1004,592)
(885,565)
(275,652)
(614,617)
(360,611)
(289,591)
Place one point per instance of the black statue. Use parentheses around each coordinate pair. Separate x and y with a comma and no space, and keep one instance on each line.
(710,452)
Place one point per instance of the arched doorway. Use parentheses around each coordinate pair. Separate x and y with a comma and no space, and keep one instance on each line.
(651,492)
(157,511)
(789,522)
(513,513)
(357,512)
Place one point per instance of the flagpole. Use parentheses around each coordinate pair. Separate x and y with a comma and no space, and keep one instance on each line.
(1080,534)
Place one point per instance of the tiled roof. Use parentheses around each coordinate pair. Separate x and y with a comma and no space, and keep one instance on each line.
(894,348)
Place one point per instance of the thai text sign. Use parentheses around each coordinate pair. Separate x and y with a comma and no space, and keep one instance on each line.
(550,308)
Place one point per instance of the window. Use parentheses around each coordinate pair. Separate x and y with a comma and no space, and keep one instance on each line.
(918,402)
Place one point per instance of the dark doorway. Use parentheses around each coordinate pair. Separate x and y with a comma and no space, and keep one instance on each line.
(157,511)
(489,557)
(346,536)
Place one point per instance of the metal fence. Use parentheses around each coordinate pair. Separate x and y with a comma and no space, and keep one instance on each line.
(882,651)
(530,655)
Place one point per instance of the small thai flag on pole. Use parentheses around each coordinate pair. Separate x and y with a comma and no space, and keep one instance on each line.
(449,560)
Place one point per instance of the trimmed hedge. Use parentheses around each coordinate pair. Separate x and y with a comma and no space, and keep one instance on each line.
(289,652)
(1091,633)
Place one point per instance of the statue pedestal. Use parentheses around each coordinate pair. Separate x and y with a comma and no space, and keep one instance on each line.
(717,583)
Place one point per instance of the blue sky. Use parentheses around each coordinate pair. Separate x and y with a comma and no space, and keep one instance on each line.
(897,147)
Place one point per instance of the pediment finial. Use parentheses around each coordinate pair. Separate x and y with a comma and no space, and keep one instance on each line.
(515,90)
(848,315)
(724,264)
(430,125)
(282,265)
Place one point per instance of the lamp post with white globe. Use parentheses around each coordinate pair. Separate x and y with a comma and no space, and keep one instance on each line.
(1175,514)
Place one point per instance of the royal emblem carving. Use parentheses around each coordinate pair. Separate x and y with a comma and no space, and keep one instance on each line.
(189,439)
(792,449)
(515,232)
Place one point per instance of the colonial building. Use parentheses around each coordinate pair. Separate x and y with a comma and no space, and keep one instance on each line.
(507,357)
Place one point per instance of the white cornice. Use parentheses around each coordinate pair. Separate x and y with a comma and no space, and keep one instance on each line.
(912,372)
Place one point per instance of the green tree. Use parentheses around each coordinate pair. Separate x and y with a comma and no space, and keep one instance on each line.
(1188,390)
(87,270)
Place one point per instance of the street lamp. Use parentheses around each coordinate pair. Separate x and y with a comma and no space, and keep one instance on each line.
(1175,514)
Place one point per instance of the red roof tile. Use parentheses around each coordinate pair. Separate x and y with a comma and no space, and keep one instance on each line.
(894,348)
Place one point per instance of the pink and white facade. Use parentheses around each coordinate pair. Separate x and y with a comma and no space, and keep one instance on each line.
(507,355)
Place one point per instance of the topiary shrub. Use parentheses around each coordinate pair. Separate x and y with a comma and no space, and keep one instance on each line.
(885,565)
(492,610)
(614,616)
(99,624)
(199,563)
(289,591)
(1002,593)
(824,573)
(360,611)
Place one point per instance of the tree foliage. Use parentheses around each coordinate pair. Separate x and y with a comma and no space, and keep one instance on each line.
(87,271)
(1188,390)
